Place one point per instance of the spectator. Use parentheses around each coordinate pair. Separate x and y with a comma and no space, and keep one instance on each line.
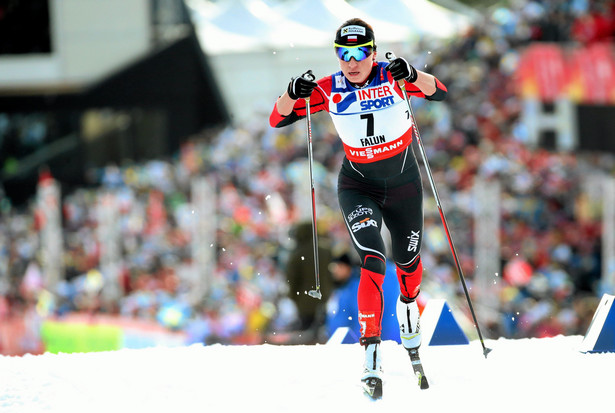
(301,278)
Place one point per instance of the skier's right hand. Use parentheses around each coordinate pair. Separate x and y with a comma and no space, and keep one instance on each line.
(300,87)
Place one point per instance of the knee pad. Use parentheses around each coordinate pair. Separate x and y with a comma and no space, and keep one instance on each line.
(410,278)
(374,264)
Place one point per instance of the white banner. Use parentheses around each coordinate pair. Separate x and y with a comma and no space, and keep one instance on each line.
(109,237)
(204,200)
(608,235)
(52,243)
(488,274)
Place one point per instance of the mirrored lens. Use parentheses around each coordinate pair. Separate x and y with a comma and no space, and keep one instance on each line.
(358,53)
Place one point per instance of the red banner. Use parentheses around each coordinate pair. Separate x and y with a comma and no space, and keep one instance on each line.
(19,336)
(548,72)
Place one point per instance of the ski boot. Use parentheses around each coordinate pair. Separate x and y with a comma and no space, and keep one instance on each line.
(371,380)
(410,334)
(409,325)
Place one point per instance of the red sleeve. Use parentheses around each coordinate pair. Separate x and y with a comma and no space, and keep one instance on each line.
(413,90)
(275,118)
(439,94)
(319,100)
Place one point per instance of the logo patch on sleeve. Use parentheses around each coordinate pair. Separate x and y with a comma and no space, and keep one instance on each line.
(339,82)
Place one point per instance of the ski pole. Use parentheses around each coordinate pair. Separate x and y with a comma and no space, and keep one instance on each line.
(316,292)
(390,57)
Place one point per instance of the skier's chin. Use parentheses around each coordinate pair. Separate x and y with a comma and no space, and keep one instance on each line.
(355,77)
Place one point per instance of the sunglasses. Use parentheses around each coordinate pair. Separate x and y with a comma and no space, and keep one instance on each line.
(358,52)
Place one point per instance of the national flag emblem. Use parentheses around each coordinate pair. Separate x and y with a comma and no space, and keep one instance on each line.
(352,38)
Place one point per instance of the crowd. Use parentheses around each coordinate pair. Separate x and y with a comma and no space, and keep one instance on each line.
(551,226)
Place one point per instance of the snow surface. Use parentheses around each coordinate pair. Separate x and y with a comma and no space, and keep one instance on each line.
(527,375)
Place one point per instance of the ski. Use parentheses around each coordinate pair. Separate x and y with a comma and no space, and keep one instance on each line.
(417,366)
(372,387)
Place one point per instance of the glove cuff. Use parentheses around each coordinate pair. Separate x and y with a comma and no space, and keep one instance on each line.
(413,75)
(289,90)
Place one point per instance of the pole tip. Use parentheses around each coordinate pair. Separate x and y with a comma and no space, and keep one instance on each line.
(486,351)
(315,294)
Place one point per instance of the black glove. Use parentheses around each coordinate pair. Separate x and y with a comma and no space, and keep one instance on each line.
(400,69)
(301,87)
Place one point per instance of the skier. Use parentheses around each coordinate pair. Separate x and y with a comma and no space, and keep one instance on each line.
(379,179)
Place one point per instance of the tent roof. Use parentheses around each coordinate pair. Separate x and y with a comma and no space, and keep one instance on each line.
(238,19)
(328,15)
(253,25)
(421,16)
(250,26)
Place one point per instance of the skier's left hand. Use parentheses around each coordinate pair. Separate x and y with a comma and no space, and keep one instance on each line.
(400,69)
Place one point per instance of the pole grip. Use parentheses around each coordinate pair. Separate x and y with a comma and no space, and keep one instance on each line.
(390,56)
(309,75)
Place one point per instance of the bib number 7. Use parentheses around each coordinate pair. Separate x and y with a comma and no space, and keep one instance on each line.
(370,123)
(369,117)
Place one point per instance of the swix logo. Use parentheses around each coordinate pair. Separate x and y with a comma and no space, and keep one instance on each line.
(414,240)
(367,222)
(359,210)
(377,97)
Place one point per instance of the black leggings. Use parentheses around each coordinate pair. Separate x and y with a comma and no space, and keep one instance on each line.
(397,200)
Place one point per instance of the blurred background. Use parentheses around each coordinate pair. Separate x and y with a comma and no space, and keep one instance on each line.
(145,200)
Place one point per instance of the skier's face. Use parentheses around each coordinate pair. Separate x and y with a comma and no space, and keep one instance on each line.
(357,72)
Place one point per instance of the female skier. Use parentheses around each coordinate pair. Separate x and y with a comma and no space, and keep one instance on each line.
(379,179)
